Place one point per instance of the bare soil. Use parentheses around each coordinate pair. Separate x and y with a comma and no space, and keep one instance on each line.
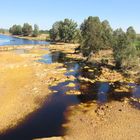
(114,121)
(24,85)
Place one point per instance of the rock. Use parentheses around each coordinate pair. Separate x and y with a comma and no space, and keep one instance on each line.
(86,67)
(71,85)
(86,79)
(126,100)
(71,70)
(100,112)
(54,91)
(90,70)
(73,92)
(71,78)
(135,99)
(109,75)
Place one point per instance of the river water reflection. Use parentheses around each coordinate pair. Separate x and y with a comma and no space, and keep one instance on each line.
(9,40)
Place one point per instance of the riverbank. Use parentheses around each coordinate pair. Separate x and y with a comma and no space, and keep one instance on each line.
(41,37)
(24,84)
(16,47)
(113,121)
(26,92)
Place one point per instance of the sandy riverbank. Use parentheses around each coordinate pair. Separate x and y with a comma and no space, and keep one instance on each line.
(113,121)
(24,84)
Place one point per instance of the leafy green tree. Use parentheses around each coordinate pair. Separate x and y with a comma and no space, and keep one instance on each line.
(125,54)
(131,34)
(27,29)
(78,36)
(67,30)
(107,35)
(131,58)
(96,35)
(16,30)
(35,31)
(91,31)
(54,32)
(120,45)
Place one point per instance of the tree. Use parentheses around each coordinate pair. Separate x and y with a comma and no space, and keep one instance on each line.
(107,35)
(67,30)
(125,54)
(54,32)
(27,29)
(91,31)
(35,31)
(131,34)
(119,46)
(44,32)
(3,31)
(16,30)
(96,35)
(78,37)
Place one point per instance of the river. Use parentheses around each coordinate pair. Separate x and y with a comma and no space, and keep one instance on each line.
(9,40)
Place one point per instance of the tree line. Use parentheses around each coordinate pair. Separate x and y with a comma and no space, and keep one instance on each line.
(95,35)
(3,31)
(25,30)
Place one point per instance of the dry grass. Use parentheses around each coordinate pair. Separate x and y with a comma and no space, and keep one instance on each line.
(102,55)
(41,37)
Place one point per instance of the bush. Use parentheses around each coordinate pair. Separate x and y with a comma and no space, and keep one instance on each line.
(36,31)
(16,30)
(27,29)
(54,32)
